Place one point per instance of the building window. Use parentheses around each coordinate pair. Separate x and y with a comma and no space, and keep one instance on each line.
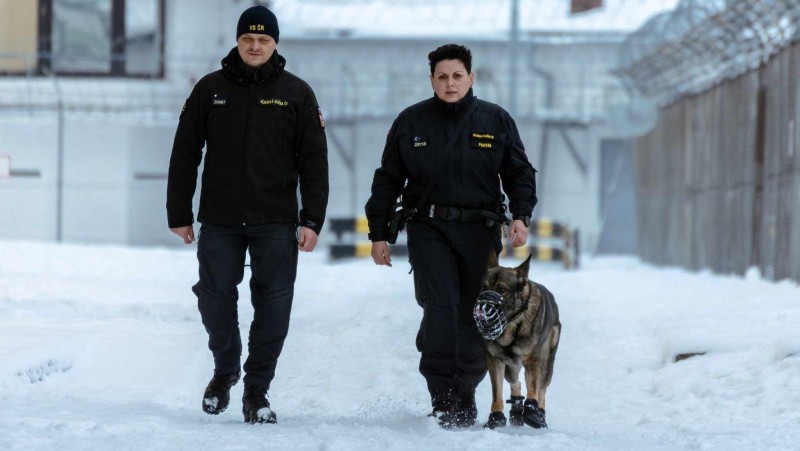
(143,37)
(17,36)
(80,36)
(120,38)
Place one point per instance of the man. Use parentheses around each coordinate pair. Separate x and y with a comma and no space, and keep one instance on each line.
(263,132)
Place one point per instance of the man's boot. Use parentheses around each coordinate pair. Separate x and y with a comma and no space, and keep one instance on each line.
(255,406)
(218,392)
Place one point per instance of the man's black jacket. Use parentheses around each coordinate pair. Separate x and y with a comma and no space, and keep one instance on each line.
(263,131)
(489,145)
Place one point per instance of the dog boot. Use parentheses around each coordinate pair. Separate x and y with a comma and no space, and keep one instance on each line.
(218,392)
(517,410)
(534,416)
(496,420)
(255,406)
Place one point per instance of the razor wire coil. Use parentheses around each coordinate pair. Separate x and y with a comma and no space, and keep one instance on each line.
(703,42)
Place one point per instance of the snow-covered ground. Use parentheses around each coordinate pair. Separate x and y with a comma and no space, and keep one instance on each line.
(102,348)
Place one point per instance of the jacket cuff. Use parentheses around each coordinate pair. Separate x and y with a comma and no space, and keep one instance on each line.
(311,224)
(177,221)
(378,235)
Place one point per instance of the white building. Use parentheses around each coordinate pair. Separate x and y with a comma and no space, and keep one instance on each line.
(88,135)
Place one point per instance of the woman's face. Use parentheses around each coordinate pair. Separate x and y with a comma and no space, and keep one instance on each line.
(451,81)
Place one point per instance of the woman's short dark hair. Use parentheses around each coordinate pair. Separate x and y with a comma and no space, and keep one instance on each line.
(451,52)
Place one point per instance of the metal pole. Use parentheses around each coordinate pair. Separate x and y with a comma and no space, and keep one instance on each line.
(60,180)
(353,172)
(59,154)
(513,58)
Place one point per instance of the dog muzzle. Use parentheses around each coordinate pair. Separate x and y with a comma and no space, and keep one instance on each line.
(488,315)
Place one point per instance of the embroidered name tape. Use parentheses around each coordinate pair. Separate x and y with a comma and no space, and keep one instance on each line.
(278,102)
(483,136)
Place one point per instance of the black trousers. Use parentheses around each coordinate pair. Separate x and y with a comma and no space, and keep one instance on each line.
(273,264)
(449,260)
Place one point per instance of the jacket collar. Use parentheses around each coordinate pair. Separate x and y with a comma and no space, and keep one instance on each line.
(235,69)
(456,108)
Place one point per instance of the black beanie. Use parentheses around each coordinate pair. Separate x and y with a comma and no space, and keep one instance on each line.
(258,20)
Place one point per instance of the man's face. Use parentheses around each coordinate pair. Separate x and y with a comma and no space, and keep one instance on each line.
(255,49)
(451,81)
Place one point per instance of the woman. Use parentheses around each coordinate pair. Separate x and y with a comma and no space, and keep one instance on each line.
(448,156)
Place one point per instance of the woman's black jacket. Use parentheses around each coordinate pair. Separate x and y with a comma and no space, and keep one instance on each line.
(487,153)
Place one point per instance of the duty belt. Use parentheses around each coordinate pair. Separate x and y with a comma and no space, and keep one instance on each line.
(460,214)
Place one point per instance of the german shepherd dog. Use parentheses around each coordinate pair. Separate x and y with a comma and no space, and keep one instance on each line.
(525,334)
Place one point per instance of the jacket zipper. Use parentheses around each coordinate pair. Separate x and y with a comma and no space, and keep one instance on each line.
(246,153)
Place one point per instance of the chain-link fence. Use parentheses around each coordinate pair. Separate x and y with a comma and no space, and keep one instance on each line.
(719,175)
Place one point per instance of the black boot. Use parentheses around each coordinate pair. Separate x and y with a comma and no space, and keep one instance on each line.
(534,416)
(460,412)
(444,409)
(517,410)
(466,410)
(218,392)
(255,406)
(496,420)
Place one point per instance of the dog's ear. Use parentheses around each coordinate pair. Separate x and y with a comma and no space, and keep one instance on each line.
(522,270)
(492,261)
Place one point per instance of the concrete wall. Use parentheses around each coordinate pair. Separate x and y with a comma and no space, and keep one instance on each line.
(28,203)
(113,186)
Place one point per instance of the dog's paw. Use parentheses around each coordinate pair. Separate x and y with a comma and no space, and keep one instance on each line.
(533,416)
(496,420)
(517,410)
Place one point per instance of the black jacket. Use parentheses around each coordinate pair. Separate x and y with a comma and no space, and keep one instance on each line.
(489,145)
(263,131)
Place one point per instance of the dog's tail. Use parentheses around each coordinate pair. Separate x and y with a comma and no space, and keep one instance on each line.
(555,331)
(555,336)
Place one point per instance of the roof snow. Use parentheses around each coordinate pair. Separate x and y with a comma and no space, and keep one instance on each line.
(472,19)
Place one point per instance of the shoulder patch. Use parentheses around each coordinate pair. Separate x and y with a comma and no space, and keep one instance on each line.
(321,119)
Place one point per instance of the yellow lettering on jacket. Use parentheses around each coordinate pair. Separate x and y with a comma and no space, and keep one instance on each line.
(482,136)
(485,145)
(273,102)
